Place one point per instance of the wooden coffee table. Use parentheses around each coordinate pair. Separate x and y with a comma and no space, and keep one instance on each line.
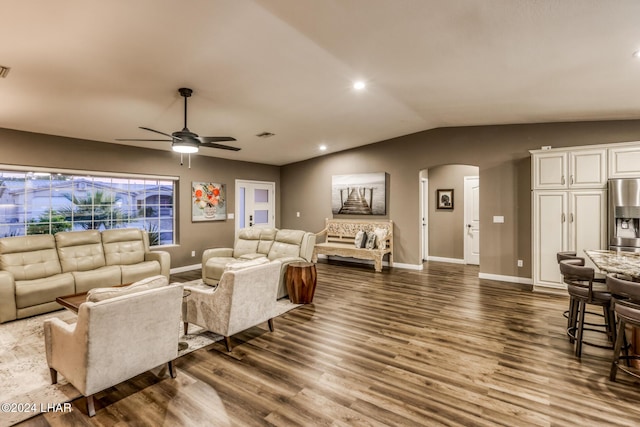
(72,302)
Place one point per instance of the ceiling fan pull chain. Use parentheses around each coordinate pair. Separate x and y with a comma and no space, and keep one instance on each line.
(189,160)
(181,163)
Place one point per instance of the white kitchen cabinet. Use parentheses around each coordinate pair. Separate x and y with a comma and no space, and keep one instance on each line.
(624,162)
(571,220)
(569,169)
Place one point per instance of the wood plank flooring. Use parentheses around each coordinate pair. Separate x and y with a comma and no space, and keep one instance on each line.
(397,348)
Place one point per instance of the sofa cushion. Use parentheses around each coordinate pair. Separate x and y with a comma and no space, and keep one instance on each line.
(267,236)
(40,291)
(29,257)
(244,247)
(287,244)
(252,256)
(109,275)
(235,266)
(101,294)
(80,250)
(135,272)
(123,246)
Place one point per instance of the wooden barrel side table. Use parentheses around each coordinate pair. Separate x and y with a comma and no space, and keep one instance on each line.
(300,279)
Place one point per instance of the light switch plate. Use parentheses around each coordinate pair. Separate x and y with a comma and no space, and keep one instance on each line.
(230,216)
(498,219)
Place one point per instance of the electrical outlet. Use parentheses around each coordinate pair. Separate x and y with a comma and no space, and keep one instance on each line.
(193,253)
(298,214)
(520,263)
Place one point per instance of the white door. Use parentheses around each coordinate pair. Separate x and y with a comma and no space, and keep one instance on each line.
(472,220)
(255,204)
(424,197)
(550,236)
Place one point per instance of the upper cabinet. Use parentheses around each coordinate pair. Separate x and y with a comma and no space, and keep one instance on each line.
(624,162)
(570,169)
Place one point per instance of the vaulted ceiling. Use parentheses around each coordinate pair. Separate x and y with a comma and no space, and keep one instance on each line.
(98,70)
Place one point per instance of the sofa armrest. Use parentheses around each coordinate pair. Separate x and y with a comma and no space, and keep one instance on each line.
(216,252)
(164,258)
(8,310)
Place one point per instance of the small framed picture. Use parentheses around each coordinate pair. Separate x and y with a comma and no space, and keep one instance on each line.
(444,199)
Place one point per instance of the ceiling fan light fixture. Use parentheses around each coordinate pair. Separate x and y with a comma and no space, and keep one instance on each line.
(184,147)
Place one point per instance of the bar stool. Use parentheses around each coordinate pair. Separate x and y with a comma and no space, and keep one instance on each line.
(583,291)
(626,303)
(571,257)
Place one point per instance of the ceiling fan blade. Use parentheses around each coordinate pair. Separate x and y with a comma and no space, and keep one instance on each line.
(207,139)
(132,139)
(220,146)
(161,133)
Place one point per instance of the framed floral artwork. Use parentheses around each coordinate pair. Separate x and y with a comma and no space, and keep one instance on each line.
(208,201)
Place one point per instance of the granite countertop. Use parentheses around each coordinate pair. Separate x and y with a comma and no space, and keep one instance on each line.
(627,263)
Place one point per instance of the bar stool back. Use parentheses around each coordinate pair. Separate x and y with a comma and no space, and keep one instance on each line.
(626,302)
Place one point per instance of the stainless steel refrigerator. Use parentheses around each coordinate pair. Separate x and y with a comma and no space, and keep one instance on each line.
(624,214)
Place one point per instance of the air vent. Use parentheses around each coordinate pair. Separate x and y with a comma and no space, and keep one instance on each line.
(265,135)
(4,71)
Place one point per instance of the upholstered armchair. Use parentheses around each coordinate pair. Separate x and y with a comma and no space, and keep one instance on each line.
(115,339)
(244,297)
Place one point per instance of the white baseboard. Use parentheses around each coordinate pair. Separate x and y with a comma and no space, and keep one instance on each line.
(370,262)
(185,268)
(442,259)
(511,279)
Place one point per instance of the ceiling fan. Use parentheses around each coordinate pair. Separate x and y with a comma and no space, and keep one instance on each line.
(185,141)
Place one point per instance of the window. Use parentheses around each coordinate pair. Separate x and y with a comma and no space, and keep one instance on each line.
(45,202)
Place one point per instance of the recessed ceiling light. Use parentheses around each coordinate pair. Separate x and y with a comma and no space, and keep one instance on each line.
(359,85)
(323,147)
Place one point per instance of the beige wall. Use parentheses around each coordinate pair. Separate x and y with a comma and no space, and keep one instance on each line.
(446,227)
(30,149)
(500,152)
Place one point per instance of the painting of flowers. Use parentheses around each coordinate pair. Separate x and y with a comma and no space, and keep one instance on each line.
(208,201)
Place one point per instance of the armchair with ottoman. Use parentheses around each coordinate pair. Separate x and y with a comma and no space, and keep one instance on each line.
(36,269)
(286,246)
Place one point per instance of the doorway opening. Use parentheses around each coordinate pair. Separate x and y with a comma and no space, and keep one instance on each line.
(450,232)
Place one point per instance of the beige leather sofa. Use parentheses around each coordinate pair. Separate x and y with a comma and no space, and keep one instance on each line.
(36,269)
(286,246)
(116,338)
(244,297)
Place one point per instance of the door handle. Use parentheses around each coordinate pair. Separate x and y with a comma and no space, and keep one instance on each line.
(563,217)
(468,225)
(562,180)
(571,217)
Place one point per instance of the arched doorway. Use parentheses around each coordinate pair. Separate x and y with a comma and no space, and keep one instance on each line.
(450,201)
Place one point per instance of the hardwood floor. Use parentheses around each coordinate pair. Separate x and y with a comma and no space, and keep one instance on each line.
(397,348)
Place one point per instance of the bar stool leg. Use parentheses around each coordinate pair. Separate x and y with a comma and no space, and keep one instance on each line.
(616,351)
(582,306)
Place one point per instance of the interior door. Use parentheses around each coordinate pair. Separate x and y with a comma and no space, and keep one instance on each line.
(472,220)
(255,204)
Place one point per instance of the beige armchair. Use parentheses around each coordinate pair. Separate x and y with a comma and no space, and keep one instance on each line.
(244,297)
(115,339)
